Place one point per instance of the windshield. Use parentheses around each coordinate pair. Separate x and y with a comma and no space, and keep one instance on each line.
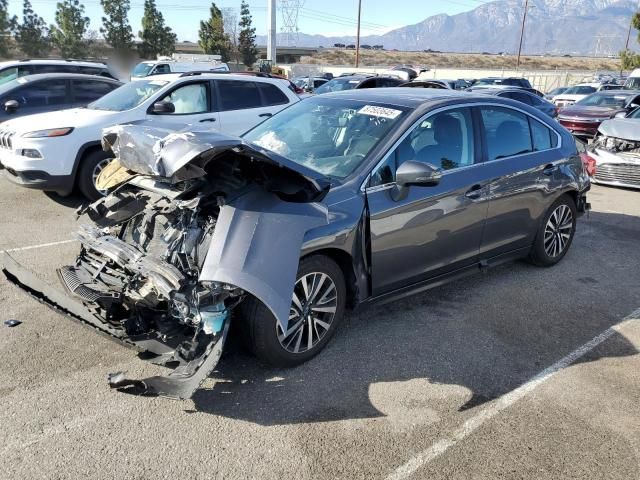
(338,85)
(603,100)
(557,91)
(634,114)
(8,74)
(142,70)
(9,85)
(330,136)
(128,96)
(580,90)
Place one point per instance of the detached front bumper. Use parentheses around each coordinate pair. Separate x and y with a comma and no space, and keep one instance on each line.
(616,169)
(181,383)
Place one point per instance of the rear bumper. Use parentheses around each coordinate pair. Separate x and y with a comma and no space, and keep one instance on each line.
(40,180)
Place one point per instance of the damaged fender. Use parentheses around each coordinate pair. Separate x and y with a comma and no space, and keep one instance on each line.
(256,246)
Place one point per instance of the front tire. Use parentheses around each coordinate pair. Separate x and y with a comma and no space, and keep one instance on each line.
(317,307)
(555,233)
(90,167)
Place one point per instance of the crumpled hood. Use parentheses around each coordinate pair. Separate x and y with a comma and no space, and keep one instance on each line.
(151,150)
(74,117)
(624,128)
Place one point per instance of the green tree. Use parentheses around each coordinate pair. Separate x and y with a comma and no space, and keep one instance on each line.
(213,40)
(32,35)
(628,58)
(157,38)
(71,26)
(247,37)
(7,24)
(115,25)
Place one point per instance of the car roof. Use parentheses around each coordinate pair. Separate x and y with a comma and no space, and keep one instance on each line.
(620,91)
(169,77)
(70,76)
(494,90)
(401,96)
(12,63)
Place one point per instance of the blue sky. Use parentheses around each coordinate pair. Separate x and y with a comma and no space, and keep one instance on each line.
(326,17)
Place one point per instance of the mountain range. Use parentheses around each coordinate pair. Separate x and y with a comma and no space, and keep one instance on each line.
(576,27)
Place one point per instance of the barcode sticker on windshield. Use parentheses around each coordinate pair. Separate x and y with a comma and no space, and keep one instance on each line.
(375,111)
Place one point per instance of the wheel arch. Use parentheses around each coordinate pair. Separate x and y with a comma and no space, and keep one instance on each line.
(345,261)
(83,151)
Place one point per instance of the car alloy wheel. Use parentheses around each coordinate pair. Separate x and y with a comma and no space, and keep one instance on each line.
(313,308)
(96,172)
(557,232)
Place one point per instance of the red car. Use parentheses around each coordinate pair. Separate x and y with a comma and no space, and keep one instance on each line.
(585,116)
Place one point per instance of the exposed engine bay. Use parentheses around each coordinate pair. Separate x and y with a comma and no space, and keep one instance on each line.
(194,225)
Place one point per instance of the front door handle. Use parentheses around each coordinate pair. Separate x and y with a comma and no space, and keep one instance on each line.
(207,120)
(474,192)
(265,115)
(549,169)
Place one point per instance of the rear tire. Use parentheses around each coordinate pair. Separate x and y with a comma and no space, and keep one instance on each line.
(555,233)
(316,315)
(90,166)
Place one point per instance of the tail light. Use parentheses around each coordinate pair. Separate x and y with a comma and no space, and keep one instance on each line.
(589,163)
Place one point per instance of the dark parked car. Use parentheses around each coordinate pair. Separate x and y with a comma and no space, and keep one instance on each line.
(510,81)
(19,68)
(585,116)
(51,91)
(356,82)
(437,83)
(521,95)
(309,84)
(340,200)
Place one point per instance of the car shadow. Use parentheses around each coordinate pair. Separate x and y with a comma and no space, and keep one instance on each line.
(488,333)
(74,200)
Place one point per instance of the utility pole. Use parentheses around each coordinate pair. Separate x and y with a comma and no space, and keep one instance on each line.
(524,19)
(358,35)
(271,31)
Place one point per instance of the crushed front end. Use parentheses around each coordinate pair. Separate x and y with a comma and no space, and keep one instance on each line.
(153,270)
(616,155)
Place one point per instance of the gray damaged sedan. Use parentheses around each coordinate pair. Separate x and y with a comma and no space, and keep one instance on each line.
(339,201)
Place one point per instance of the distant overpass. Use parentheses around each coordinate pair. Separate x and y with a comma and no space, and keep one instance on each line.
(284,54)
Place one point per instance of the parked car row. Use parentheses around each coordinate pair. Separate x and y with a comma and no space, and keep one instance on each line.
(343,199)
(60,150)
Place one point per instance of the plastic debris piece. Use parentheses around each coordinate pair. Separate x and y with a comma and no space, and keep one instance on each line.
(12,323)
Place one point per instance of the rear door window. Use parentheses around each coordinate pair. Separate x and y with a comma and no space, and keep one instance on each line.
(506,132)
(540,135)
(161,68)
(41,94)
(271,94)
(86,91)
(238,95)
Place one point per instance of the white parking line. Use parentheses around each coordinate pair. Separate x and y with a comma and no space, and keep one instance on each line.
(41,245)
(475,422)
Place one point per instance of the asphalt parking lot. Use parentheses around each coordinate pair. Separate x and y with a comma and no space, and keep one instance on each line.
(520,372)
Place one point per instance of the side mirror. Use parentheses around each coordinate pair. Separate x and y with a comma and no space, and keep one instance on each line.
(163,107)
(11,106)
(414,173)
(620,114)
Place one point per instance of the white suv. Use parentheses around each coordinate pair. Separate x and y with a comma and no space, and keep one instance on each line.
(58,150)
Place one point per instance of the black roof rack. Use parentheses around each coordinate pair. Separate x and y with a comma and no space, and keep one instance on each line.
(200,72)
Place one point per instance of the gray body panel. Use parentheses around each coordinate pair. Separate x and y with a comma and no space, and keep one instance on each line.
(256,245)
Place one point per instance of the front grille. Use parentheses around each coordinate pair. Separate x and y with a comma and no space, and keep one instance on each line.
(628,174)
(6,140)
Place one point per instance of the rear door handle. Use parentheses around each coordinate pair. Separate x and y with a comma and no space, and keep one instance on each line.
(207,120)
(549,169)
(474,192)
(265,115)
